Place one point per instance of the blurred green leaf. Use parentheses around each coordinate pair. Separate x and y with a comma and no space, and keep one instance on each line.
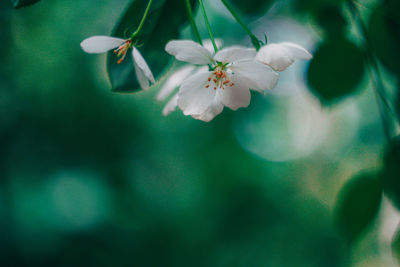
(162,24)
(384,32)
(331,19)
(357,205)
(253,7)
(336,70)
(397,100)
(392,171)
(22,3)
(315,6)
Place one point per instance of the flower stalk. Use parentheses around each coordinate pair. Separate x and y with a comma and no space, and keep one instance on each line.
(192,22)
(139,28)
(208,25)
(256,42)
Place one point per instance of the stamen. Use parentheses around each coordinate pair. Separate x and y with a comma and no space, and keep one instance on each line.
(232,84)
(215,80)
(122,49)
(209,78)
(207,86)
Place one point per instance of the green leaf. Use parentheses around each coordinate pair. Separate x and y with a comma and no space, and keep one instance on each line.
(315,6)
(252,7)
(165,19)
(335,70)
(392,171)
(385,38)
(331,19)
(22,3)
(357,205)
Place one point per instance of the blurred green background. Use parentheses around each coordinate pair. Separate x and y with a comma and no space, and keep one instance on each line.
(92,178)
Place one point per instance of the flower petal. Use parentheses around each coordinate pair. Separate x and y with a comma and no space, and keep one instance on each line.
(213,110)
(254,74)
(207,44)
(276,56)
(141,76)
(174,81)
(171,105)
(194,97)
(189,51)
(297,51)
(100,44)
(141,63)
(235,96)
(234,53)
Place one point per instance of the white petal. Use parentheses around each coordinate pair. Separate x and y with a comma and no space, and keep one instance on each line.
(297,51)
(194,97)
(174,81)
(276,56)
(207,44)
(100,44)
(141,76)
(255,75)
(171,105)
(189,51)
(213,110)
(235,96)
(141,63)
(234,53)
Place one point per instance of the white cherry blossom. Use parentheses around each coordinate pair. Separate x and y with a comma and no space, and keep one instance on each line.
(232,72)
(102,44)
(279,56)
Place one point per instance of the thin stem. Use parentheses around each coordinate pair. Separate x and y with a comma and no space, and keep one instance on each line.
(383,104)
(236,16)
(208,25)
(192,22)
(139,28)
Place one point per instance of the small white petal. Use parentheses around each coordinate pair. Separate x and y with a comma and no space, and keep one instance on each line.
(141,76)
(297,51)
(276,56)
(207,44)
(171,105)
(189,51)
(174,81)
(194,97)
(141,63)
(235,96)
(234,53)
(255,75)
(100,44)
(213,110)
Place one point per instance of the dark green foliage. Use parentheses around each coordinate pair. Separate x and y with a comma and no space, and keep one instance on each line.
(384,32)
(331,19)
(392,171)
(336,70)
(22,3)
(357,205)
(315,6)
(253,7)
(160,27)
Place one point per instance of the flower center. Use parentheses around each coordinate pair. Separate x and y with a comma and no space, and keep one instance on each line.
(122,49)
(218,78)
